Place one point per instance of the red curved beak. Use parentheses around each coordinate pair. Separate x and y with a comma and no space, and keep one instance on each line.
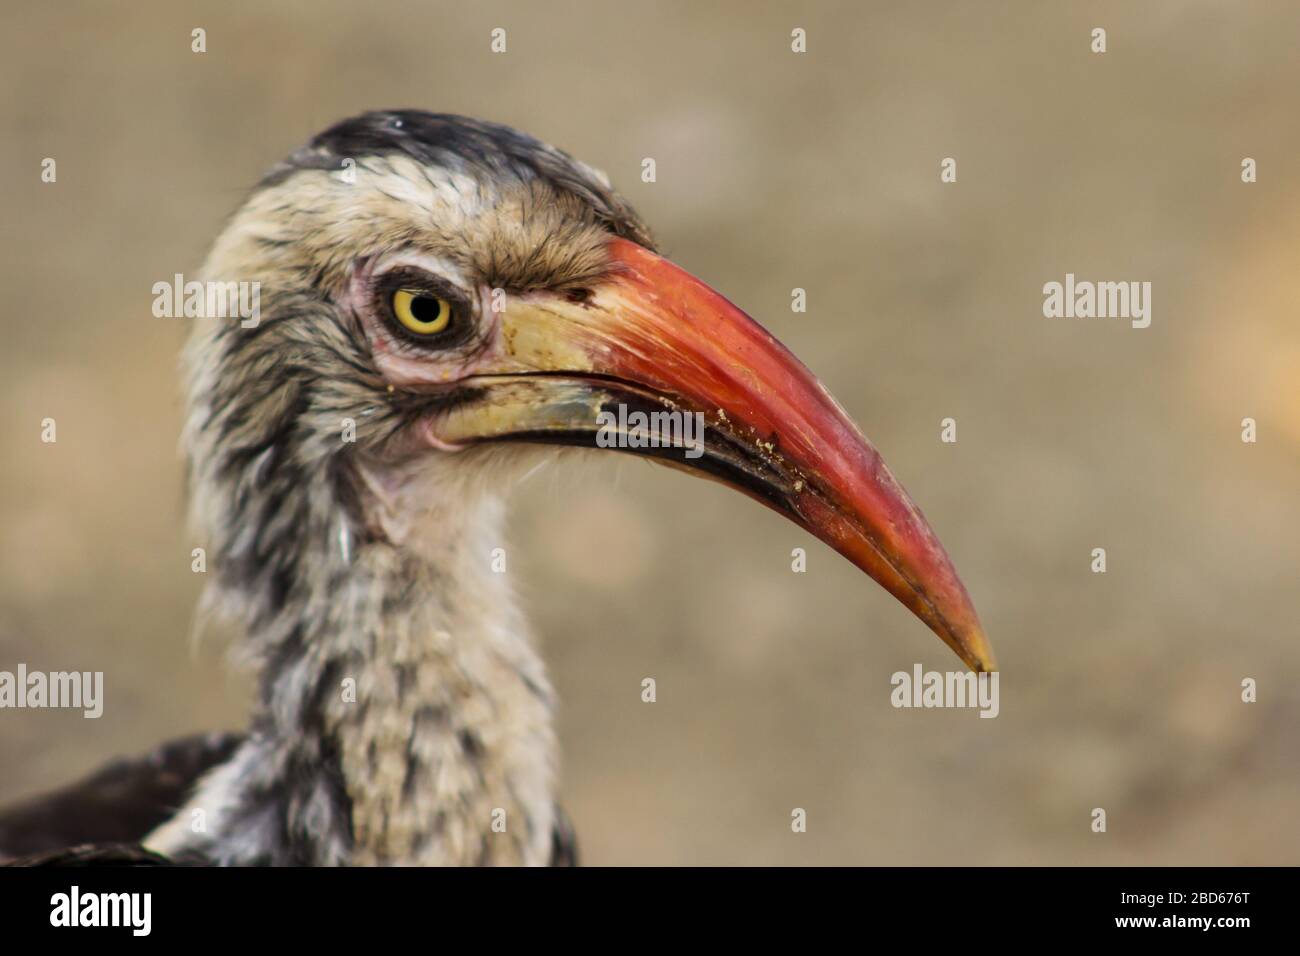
(652,336)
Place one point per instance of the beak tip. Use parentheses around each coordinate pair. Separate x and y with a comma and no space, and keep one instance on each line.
(976,651)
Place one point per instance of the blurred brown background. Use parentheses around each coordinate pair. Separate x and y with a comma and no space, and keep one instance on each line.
(775,170)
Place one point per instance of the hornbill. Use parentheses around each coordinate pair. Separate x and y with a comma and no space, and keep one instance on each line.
(444,301)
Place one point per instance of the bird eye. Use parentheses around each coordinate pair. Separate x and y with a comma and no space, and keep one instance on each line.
(420,312)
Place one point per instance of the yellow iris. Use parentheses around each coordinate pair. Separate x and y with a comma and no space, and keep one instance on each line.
(420,312)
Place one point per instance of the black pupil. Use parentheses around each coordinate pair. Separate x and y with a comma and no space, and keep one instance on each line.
(425,308)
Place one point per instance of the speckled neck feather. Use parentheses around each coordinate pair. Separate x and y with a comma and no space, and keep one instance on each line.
(404,717)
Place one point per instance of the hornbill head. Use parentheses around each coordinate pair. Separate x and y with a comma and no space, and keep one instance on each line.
(459,293)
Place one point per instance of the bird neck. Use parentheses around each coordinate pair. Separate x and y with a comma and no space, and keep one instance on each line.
(405,717)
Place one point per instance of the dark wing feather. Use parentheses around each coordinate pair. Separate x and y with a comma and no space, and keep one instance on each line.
(564,842)
(92,854)
(116,806)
